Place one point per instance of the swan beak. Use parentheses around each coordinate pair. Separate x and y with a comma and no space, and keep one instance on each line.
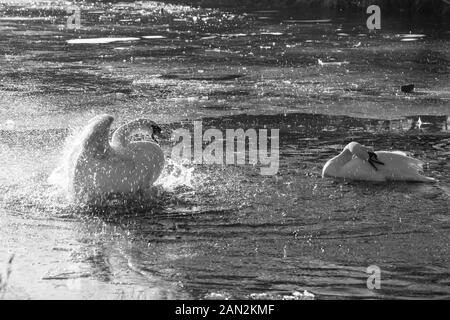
(156,131)
(373,158)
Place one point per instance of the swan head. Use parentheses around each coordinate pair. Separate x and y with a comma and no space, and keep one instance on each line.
(123,135)
(150,126)
(364,153)
(359,150)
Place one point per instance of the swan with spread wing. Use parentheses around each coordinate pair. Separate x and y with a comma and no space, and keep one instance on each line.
(97,166)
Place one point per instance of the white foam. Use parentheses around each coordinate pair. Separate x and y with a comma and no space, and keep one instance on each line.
(60,177)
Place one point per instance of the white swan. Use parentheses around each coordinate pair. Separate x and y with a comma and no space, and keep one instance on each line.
(98,167)
(357,162)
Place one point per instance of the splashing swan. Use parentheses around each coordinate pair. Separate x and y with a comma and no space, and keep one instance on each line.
(357,162)
(98,167)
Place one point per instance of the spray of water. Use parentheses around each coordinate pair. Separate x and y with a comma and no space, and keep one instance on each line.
(176,175)
(52,194)
(60,177)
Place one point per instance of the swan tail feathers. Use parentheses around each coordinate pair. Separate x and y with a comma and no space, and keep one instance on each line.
(426,179)
(417,166)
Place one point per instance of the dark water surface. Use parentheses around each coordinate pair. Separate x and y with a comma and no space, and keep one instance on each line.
(210,231)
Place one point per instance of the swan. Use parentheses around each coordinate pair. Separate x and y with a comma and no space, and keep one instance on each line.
(357,162)
(98,167)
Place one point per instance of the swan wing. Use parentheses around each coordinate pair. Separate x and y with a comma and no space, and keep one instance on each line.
(124,170)
(91,146)
(148,158)
(358,169)
(95,137)
(399,166)
(398,159)
(146,152)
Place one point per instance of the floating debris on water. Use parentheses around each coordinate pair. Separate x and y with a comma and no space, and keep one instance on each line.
(407,88)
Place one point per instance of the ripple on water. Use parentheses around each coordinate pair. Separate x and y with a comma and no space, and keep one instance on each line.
(211,226)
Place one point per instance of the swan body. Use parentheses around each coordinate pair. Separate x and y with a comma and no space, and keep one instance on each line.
(357,162)
(98,167)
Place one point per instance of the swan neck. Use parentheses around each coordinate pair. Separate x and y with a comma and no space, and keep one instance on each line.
(345,156)
(335,164)
(121,136)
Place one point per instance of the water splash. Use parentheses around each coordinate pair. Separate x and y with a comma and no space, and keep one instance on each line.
(60,176)
(174,176)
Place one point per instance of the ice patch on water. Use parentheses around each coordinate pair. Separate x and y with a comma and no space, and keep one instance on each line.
(272,33)
(153,37)
(296,295)
(100,40)
(409,39)
(412,35)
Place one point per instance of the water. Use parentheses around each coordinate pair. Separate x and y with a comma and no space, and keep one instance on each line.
(225,231)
